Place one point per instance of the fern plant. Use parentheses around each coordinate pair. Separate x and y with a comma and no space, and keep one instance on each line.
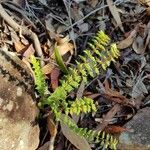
(98,56)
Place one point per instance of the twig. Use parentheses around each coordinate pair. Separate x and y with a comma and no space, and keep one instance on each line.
(53,131)
(29,9)
(69,15)
(25,31)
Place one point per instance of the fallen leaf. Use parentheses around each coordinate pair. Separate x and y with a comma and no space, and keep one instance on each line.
(145,2)
(78,141)
(138,45)
(29,51)
(45,146)
(54,78)
(93,3)
(64,46)
(139,88)
(51,127)
(142,40)
(79,95)
(16,41)
(47,69)
(108,117)
(112,129)
(128,41)
(50,28)
(115,13)
(76,14)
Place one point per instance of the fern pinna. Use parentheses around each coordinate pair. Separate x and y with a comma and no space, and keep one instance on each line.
(98,56)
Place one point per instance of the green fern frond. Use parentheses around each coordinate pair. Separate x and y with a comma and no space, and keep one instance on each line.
(102,138)
(40,82)
(99,55)
(78,106)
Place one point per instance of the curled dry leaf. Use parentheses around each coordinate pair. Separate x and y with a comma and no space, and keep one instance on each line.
(108,117)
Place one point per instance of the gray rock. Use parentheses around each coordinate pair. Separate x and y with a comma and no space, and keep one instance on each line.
(17,106)
(139,139)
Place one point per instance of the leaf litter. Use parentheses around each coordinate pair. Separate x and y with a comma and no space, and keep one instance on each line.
(118,93)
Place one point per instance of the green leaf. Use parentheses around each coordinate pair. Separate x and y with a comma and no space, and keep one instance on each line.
(59,61)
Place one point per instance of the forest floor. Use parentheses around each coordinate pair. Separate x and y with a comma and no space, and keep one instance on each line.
(121,92)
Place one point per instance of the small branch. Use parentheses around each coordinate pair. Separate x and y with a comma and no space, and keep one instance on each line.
(72,29)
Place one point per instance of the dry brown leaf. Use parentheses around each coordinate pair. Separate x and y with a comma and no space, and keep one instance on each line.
(54,78)
(112,129)
(108,117)
(47,69)
(145,2)
(18,46)
(30,51)
(16,41)
(51,127)
(78,141)
(93,3)
(79,95)
(114,11)
(64,46)
(128,41)
(148,11)
(142,40)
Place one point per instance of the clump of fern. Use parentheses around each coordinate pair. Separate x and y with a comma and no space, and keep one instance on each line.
(98,56)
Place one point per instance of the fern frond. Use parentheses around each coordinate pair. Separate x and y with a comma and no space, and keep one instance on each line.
(99,55)
(40,82)
(102,138)
(78,106)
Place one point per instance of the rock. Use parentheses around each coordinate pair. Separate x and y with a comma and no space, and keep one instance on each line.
(139,139)
(17,106)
